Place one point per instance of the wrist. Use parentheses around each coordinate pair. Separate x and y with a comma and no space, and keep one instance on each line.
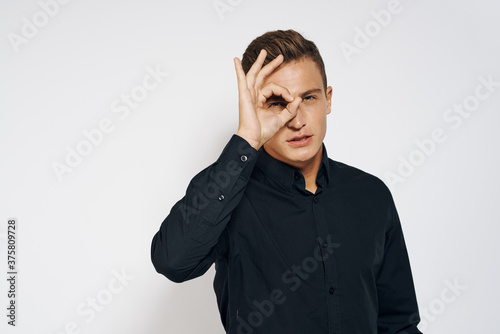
(252,142)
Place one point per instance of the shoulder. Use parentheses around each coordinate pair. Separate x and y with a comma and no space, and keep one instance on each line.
(355,179)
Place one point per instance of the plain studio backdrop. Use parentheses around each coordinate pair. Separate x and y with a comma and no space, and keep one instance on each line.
(109,108)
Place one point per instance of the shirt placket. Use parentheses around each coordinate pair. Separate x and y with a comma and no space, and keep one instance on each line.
(327,246)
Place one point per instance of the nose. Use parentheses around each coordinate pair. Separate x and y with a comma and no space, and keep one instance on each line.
(299,121)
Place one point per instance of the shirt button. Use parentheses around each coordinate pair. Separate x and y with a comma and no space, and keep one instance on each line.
(243,158)
(331,290)
(297,176)
(324,244)
(221,197)
(315,199)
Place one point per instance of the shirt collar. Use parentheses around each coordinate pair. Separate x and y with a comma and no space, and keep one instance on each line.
(284,174)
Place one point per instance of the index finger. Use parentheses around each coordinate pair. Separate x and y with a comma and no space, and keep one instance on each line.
(240,74)
(268,69)
(257,65)
(271,89)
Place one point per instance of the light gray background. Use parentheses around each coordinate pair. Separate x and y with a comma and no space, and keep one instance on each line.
(74,233)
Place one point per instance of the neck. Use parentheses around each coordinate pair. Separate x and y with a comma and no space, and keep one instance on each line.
(310,172)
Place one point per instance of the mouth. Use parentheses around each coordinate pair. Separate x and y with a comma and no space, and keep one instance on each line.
(300,140)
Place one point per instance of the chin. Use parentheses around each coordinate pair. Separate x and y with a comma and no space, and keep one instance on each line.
(304,155)
(295,156)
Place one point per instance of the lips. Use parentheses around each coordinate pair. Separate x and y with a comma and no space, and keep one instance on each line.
(300,141)
(299,138)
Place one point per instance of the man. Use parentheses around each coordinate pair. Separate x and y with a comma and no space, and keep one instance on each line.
(301,243)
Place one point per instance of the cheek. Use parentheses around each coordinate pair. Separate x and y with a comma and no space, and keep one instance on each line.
(278,136)
(317,119)
(323,122)
(277,142)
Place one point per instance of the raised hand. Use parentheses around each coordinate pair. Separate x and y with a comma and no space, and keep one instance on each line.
(257,124)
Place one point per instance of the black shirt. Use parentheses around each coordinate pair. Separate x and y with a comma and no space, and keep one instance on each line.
(287,260)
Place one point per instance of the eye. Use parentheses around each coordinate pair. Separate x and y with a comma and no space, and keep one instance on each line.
(275,104)
(309,98)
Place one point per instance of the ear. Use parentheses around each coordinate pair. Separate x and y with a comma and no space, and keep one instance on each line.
(329,92)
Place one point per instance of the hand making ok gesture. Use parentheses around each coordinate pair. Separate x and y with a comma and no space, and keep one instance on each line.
(257,124)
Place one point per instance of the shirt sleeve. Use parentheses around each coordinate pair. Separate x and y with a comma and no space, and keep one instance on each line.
(398,309)
(191,237)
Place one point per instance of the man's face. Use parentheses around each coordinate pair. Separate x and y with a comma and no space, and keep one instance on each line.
(299,142)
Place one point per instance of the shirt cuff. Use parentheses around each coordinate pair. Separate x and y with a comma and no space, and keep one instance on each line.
(239,156)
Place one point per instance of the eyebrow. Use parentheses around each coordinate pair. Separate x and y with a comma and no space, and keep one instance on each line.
(309,92)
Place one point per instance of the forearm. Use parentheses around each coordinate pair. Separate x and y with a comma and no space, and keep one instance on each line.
(398,309)
(185,245)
